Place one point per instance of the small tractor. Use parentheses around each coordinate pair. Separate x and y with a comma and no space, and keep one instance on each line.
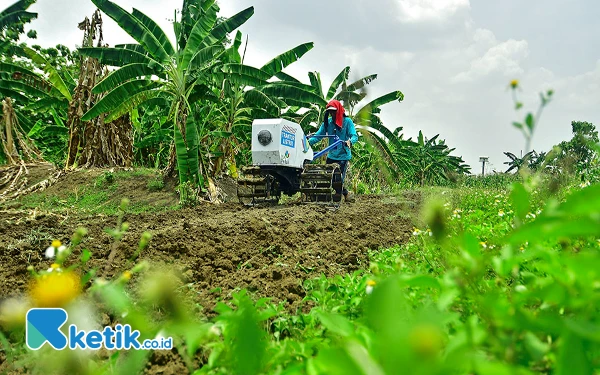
(283,162)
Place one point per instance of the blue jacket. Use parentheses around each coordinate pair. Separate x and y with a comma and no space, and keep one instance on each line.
(347,132)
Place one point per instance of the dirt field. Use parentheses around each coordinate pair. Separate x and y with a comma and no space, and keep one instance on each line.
(269,251)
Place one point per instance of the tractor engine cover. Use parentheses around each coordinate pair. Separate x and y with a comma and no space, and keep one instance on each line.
(279,142)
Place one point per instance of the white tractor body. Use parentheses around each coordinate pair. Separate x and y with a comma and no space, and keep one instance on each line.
(279,142)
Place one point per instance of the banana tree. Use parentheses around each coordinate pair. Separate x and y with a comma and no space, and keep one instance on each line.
(38,100)
(516,163)
(339,89)
(156,71)
(248,93)
(433,162)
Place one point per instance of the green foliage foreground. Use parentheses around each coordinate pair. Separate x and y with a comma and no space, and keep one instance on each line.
(494,281)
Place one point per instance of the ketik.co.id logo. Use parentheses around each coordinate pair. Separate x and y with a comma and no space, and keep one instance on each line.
(43,325)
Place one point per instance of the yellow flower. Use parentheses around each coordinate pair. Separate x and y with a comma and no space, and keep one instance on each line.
(55,289)
(56,244)
(127,275)
(483,244)
(514,83)
(370,285)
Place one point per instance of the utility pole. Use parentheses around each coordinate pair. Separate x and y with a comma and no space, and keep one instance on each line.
(483,160)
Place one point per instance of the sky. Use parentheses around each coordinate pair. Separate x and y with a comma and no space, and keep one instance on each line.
(452,59)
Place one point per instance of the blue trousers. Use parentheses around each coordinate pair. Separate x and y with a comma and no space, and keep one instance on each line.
(343,167)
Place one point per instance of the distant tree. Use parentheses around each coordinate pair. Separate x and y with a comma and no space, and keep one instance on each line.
(12,23)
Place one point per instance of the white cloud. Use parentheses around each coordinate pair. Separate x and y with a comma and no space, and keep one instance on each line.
(452,59)
(429,10)
(504,58)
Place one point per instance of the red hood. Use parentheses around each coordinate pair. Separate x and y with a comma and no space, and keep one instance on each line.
(339,114)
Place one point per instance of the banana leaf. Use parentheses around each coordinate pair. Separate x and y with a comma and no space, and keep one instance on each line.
(287,58)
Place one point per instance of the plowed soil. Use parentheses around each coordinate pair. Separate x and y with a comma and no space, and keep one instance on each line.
(269,251)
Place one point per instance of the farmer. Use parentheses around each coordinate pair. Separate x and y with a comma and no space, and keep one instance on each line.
(341,125)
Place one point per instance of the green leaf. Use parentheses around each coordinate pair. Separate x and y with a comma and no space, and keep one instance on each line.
(85,255)
(545,228)
(359,84)
(422,281)
(584,329)
(529,121)
(158,33)
(285,59)
(572,356)
(353,359)
(337,81)
(518,125)
(536,348)
(117,96)
(583,202)
(205,57)
(291,94)
(520,200)
(245,341)
(336,323)
(233,51)
(201,29)
(16,14)
(22,88)
(245,75)
(220,31)
(221,134)
(316,83)
(188,163)
(117,56)
(123,74)
(53,74)
(384,99)
(134,101)
(258,99)
(286,77)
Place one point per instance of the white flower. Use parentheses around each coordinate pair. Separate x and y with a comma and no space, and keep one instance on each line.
(530,215)
(54,268)
(584,184)
(370,285)
(50,252)
(501,213)
(56,248)
(416,232)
